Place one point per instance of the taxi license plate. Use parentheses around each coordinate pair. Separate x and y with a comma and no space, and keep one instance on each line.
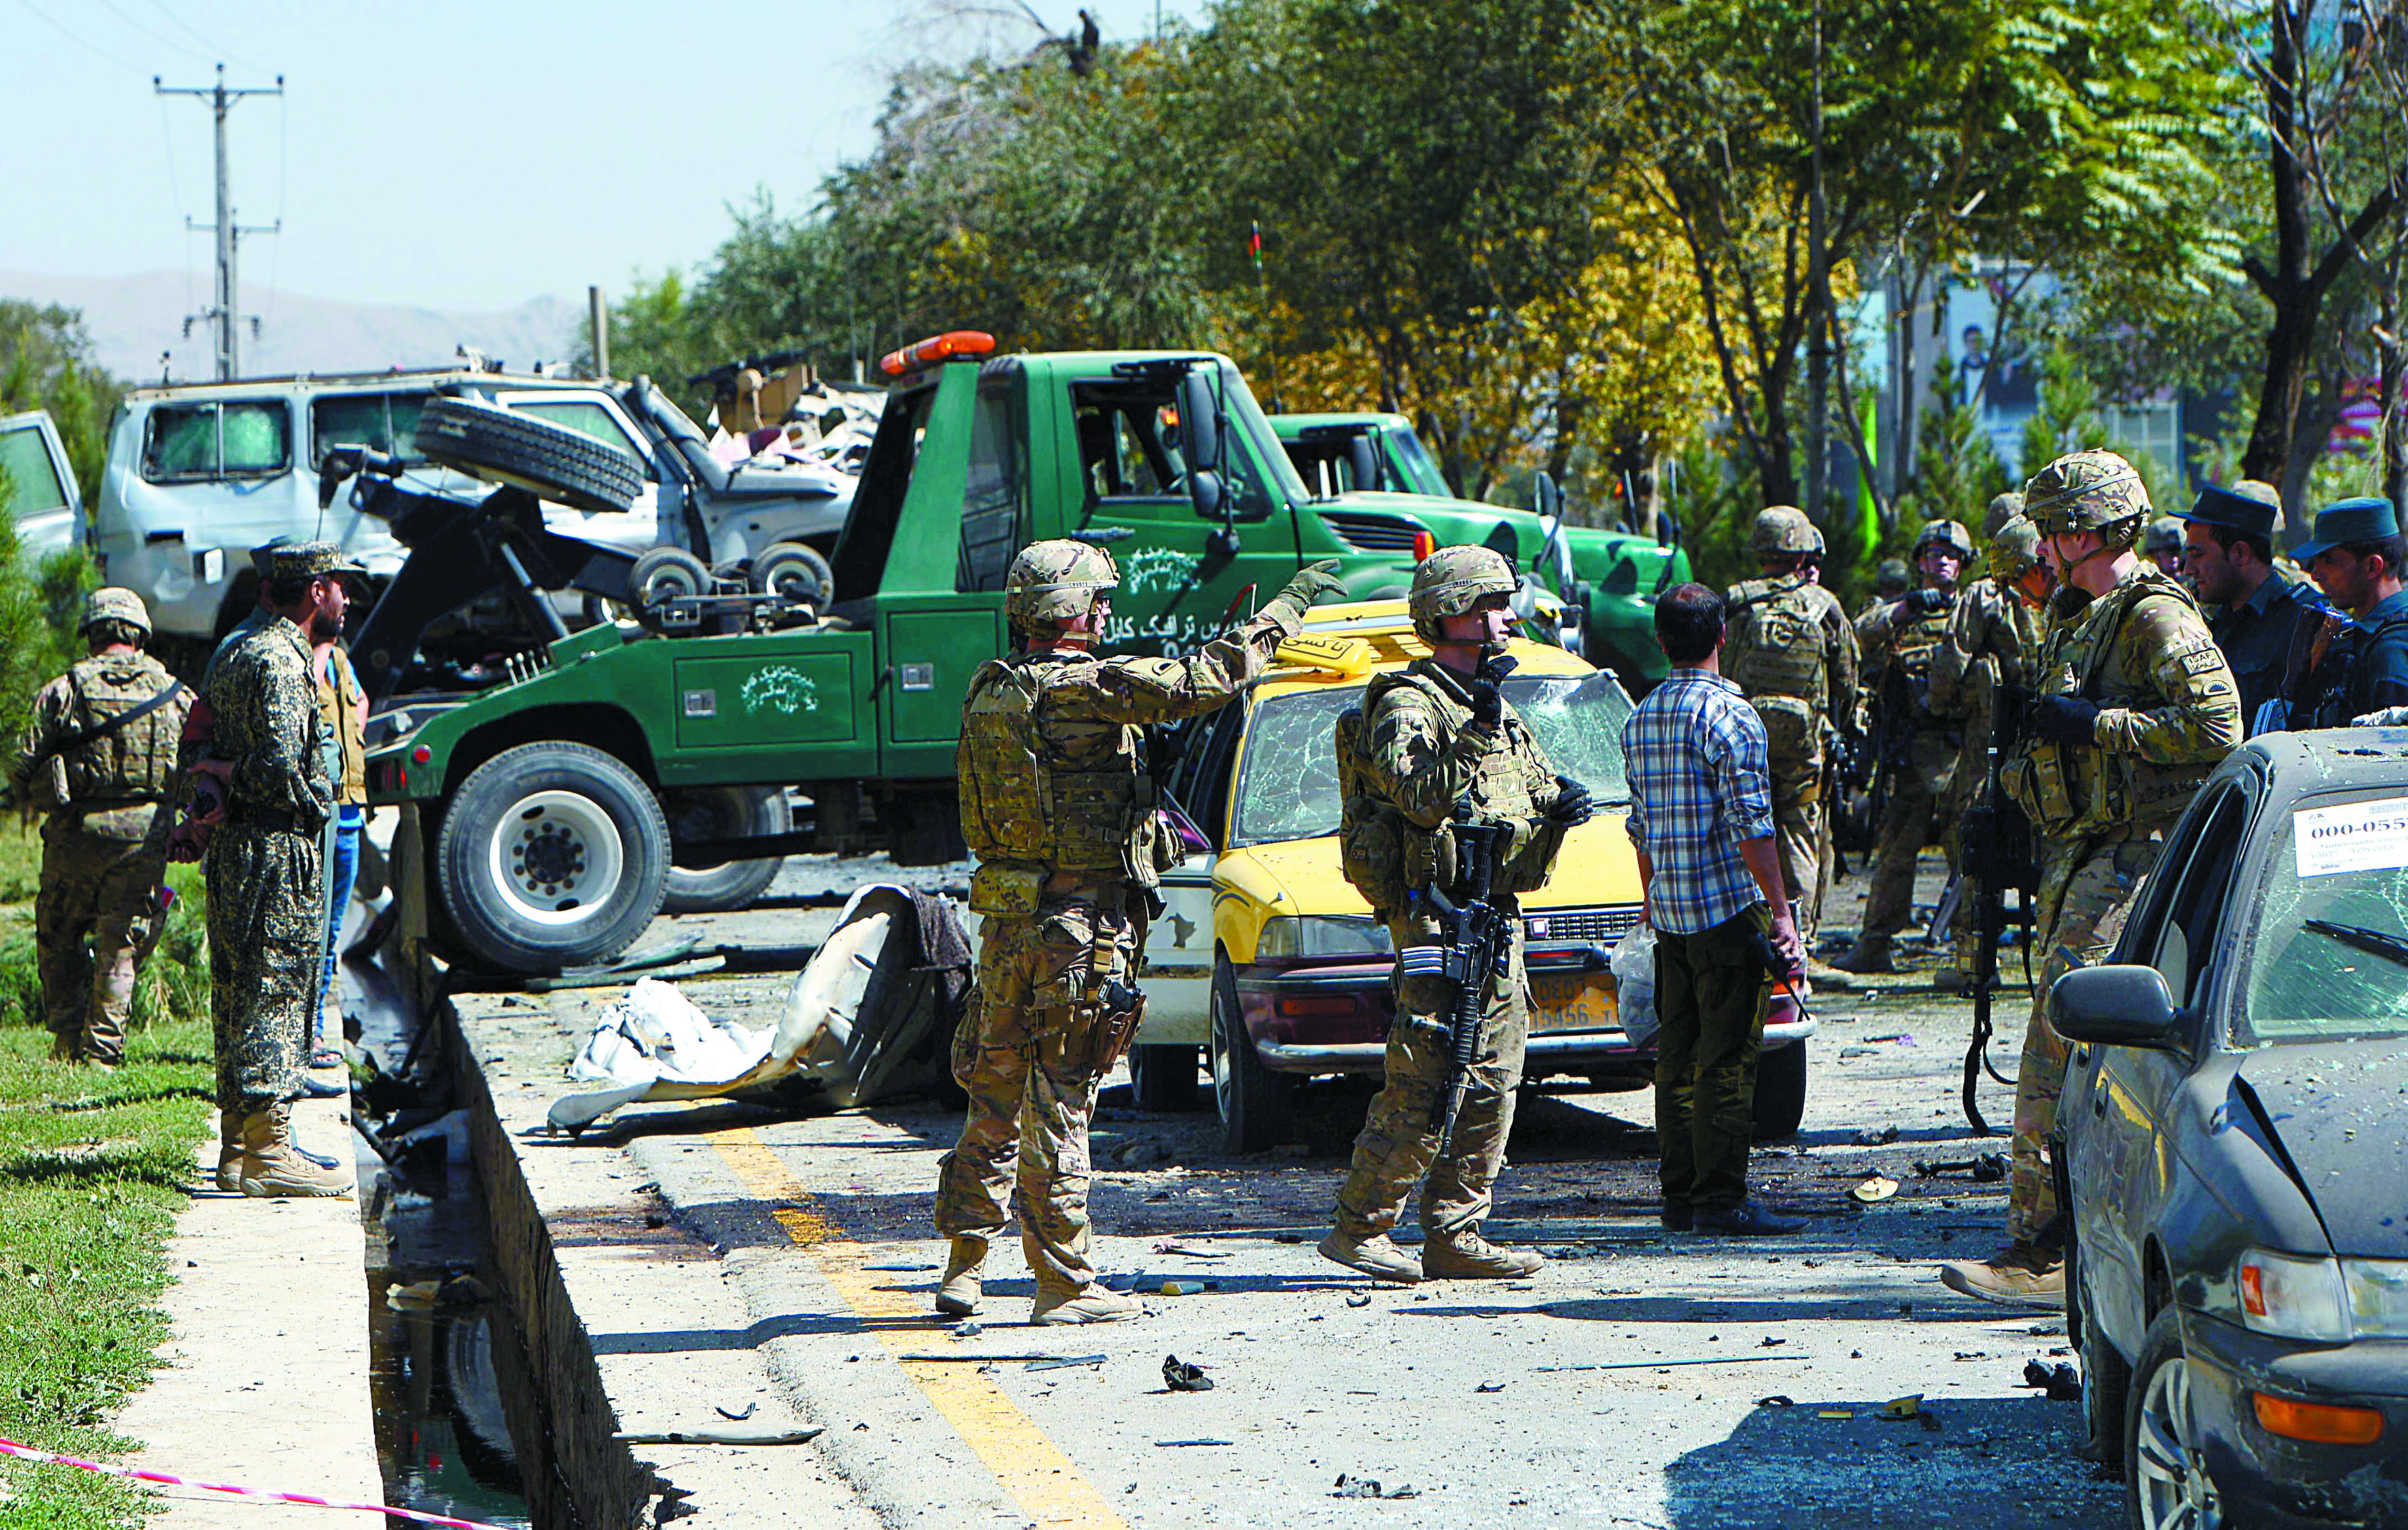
(1573,1001)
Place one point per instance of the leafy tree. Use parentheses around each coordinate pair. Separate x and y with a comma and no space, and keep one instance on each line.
(46,364)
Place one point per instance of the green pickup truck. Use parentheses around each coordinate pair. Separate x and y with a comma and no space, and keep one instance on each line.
(1609,580)
(552,805)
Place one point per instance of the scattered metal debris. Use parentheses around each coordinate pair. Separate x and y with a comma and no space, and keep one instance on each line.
(1986,1168)
(1350,1486)
(2062,1383)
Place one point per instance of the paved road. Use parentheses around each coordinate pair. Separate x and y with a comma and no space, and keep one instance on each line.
(1462,1391)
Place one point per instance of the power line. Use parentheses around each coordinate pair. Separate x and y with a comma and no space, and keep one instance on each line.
(214,51)
(226,313)
(150,32)
(91,48)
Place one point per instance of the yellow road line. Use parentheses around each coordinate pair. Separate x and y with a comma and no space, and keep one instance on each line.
(1040,1477)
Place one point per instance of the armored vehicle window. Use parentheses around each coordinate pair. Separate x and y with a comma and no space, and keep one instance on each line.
(249,438)
(387,421)
(33,483)
(587,419)
(991,497)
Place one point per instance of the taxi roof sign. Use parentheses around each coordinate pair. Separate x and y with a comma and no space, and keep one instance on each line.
(1348,656)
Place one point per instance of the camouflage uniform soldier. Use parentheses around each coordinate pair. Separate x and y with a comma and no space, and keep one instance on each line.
(1903,639)
(264,767)
(2135,707)
(1792,651)
(99,756)
(1890,583)
(1993,641)
(1431,739)
(1058,810)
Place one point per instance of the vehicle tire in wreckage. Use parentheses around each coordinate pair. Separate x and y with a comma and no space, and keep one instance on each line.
(796,572)
(551,855)
(722,812)
(2165,1469)
(503,446)
(1258,1107)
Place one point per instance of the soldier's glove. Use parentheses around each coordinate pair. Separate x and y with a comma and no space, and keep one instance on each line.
(1927,601)
(2065,719)
(1572,806)
(1487,702)
(1313,582)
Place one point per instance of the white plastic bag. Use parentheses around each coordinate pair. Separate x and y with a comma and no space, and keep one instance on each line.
(1633,965)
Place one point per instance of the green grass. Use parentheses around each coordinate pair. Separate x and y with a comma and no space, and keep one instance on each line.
(93,1171)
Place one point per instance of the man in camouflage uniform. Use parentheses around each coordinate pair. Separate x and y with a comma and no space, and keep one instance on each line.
(98,757)
(263,786)
(1890,583)
(1992,643)
(1059,808)
(2134,707)
(1903,639)
(1791,650)
(1442,740)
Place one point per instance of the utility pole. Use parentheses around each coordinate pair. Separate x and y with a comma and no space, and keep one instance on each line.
(224,313)
(1818,298)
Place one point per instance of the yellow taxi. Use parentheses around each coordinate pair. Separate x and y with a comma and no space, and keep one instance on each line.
(1268,961)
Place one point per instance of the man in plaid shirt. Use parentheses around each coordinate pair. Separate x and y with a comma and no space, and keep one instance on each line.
(1701,816)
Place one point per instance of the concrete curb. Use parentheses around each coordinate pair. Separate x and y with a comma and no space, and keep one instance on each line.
(263,1381)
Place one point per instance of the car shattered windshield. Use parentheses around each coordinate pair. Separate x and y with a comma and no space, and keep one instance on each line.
(1288,780)
(2329,955)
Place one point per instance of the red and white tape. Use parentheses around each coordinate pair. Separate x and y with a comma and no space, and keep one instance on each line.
(26,1453)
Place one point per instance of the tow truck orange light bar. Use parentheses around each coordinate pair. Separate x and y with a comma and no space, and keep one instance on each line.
(953,342)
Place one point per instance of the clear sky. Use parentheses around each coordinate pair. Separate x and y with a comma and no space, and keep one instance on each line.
(451,155)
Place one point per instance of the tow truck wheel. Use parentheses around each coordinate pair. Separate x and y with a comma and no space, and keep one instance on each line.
(665,573)
(1780,1091)
(723,812)
(551,855)
(1258,1107)
(794,572)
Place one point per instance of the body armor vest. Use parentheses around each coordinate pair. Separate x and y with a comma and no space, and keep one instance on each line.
(1386,854)
(1775,654)
(1028,802)
(133,763)
(2081,791)
(1914,645)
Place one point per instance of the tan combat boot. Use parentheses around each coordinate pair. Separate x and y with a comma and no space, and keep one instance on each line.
(1093,1305)
(1870,953)
(1950,978)
(1468,1256)
(2018,1274)
(964,1282)
(229,1174)
(1376,1255)
(271,1166)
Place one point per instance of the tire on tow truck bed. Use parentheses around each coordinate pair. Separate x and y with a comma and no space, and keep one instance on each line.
(488,442)
(551,855)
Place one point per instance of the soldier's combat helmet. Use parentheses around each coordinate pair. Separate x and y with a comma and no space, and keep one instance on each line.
(2088,491)
(2165,535)
(2014,549)
(1947,534)
(2003,508)
(1891,579)
(1451,580)
(1056,581)
(1782,529)
(114,603)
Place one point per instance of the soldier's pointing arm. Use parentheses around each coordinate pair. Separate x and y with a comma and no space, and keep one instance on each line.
(2201,723)
(1143,691)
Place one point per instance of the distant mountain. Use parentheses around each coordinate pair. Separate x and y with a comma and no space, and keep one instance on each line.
(131,319)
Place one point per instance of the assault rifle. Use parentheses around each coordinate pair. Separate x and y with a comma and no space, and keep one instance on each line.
(1996,854)
(1478,939)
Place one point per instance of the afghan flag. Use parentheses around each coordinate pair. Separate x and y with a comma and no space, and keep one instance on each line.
(1254,243)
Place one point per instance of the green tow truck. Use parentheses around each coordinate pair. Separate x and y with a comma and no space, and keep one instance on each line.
(550,807)
(1607,581)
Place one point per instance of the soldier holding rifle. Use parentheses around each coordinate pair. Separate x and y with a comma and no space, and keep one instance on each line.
(1450,809)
